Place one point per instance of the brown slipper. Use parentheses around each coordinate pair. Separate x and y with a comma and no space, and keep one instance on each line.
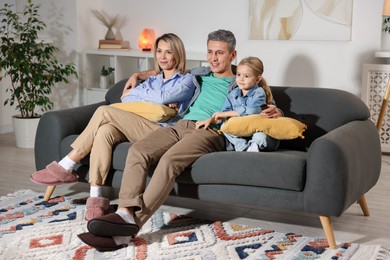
(102,244)
(111,225)
(54,174)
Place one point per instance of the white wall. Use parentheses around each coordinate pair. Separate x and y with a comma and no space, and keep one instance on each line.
(295,63)
(331,64)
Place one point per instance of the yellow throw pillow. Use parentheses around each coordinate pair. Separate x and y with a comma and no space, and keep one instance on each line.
(151,111)
(282,128)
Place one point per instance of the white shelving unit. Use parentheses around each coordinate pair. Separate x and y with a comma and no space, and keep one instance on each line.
(125,62)
(375,79)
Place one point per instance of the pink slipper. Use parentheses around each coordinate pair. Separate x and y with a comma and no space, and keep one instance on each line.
(54,174)
(96,207)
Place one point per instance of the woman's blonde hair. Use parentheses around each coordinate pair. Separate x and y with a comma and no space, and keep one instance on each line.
(257,66)
(179,52)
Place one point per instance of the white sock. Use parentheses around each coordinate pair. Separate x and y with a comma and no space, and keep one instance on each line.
(253,148)
(67,163)
(121,240)
(125,215)
(95,191)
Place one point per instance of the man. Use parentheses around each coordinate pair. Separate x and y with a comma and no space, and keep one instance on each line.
(174,148)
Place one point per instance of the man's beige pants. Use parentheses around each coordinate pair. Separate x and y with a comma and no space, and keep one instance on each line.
(174,148)
(107,127)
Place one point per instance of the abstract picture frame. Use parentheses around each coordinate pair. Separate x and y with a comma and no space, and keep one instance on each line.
(324,20)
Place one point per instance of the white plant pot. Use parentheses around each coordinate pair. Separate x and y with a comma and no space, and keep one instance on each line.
(104,81)
(385,35)
(25,130)
(385,41)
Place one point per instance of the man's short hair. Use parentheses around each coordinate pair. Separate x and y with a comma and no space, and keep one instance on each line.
(224,36)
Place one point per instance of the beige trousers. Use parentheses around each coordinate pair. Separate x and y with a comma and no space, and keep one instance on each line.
(107,127)
(174,148)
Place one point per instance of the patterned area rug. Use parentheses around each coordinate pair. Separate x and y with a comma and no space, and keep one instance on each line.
(31,228)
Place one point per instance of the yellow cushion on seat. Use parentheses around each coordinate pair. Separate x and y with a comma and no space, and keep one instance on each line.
(282,128)
(151,111)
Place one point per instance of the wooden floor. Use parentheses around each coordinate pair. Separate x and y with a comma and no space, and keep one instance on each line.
(17,164)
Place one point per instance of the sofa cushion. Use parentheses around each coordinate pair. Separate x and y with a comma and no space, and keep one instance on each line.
(149,110)
(241,168)
(282,128)
(281,169)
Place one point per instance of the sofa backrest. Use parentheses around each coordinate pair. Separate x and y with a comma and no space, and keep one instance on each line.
(321,109)
(115,92)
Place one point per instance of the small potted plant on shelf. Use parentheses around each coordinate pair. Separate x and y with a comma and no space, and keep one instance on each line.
(31,67)
(105,74)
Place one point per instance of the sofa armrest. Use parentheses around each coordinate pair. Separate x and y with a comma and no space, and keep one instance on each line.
(342,165)
(54,126)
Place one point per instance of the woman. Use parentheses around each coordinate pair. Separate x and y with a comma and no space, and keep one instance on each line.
(109,125)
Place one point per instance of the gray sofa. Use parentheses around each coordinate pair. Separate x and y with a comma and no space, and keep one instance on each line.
(333,167)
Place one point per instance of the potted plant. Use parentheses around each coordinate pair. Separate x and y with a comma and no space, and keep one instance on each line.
(105,76)
(385,36)
(30,65)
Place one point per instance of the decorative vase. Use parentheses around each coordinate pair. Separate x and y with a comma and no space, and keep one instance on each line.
(110,35)
(104,81)
(118,35)
(25,130)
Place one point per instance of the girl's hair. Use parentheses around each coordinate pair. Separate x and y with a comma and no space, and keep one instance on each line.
(257,66)
(179,52)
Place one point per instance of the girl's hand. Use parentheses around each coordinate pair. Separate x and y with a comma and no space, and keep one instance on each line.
(218,116)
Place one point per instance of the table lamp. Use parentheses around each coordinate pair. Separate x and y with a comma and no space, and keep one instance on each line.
(146,39)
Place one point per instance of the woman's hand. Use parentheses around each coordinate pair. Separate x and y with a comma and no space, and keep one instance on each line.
(271,112)
(125,93)
(131,83)
(174,106)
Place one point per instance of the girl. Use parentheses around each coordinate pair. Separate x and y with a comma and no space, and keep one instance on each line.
(250,97)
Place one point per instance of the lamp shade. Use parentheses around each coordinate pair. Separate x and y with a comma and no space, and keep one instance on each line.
(386,8)
(146,39)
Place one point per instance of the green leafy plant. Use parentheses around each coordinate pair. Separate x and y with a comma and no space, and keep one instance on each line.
(30,63)
(386,25)
(106,71)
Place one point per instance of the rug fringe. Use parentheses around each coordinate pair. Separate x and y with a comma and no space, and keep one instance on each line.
(383,253)
(16,194)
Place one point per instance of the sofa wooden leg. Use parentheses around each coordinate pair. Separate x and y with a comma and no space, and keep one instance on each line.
(49,192)
(363,204)
(328,230)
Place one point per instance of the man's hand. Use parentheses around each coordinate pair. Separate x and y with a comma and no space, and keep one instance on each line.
(271,112)
(203,123)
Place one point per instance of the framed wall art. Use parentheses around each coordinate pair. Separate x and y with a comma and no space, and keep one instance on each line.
(329,20)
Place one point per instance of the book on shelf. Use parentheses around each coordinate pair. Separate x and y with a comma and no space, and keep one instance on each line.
(114,44)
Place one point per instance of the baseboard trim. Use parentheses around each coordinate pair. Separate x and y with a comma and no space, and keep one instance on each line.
(6,129)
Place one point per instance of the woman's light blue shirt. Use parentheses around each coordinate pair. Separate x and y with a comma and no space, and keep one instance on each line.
(177,89)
